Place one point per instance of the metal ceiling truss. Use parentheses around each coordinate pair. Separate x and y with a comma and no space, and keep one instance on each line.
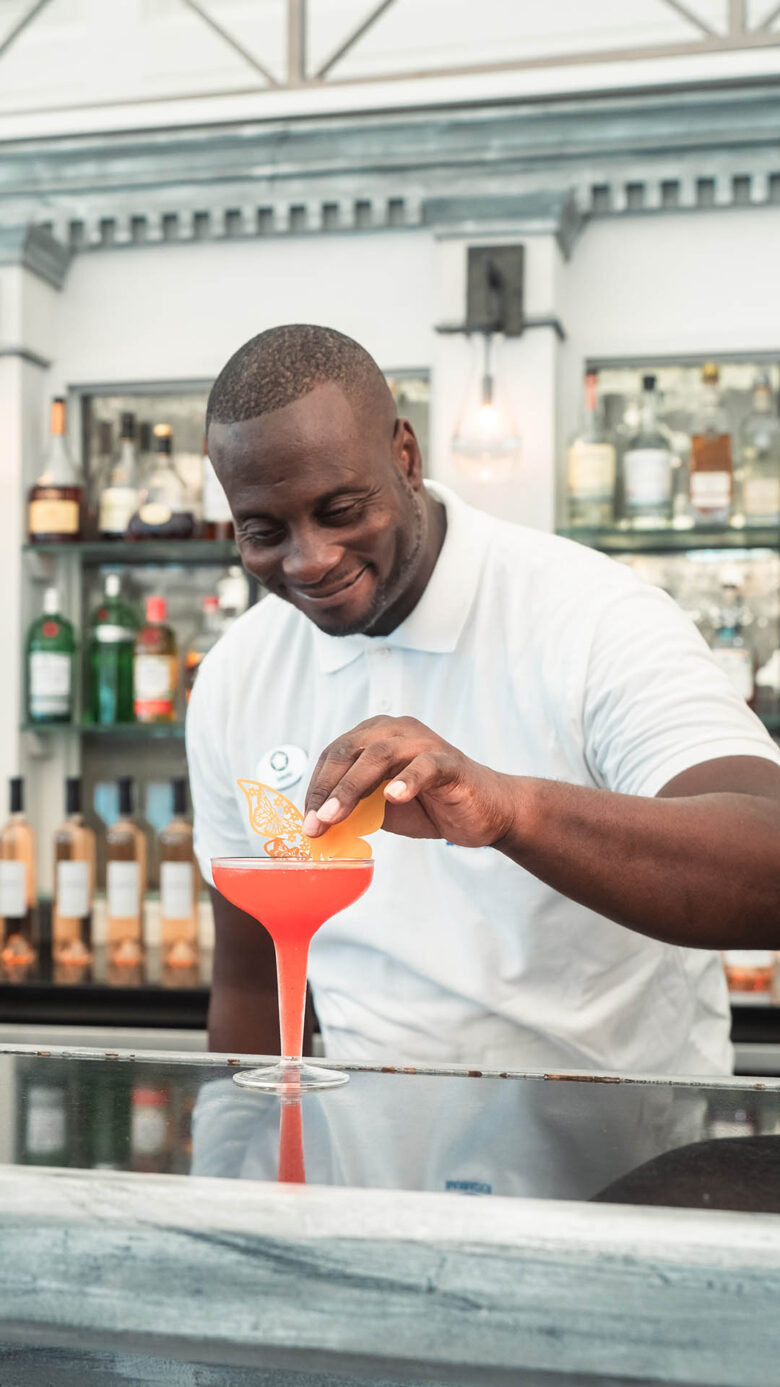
(738,35)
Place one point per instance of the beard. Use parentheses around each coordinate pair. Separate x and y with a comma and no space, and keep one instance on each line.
(392,589)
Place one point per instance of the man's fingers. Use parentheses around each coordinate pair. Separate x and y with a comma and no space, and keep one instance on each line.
(423,772)
(365,774)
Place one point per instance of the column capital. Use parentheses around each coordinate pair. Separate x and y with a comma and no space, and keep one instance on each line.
(34,248)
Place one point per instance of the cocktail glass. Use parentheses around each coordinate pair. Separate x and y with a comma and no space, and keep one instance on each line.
(292,900)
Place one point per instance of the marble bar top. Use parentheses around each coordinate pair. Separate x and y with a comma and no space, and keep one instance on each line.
(261,1282)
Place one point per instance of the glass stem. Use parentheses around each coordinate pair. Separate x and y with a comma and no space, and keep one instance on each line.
(291,964)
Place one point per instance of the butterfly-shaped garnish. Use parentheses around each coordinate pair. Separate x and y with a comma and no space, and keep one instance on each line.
(272,814)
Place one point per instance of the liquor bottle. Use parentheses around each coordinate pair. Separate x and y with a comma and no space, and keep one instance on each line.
(165,511)
(759,460)
(74,882)
(55,503)
(207,636)
(151,1128)
(125,883)
(648,464)
(711,469)
(155,666)
(17,880)
(591,474)
(730,645)
(51,647)
(217,517)
(178,886)
(44,1124)
(119,497)
(111,656)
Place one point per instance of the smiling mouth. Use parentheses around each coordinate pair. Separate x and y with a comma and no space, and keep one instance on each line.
(317,596)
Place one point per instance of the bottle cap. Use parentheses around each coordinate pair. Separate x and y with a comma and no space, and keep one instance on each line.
(210,604)
(16,787)
(710,373)
(149,1097)
(179,796)
(648,382)
(113,585)
(58,415)
(127,426)
(51,602)
(156,609)
(163,438)
(125,784)
(73,794)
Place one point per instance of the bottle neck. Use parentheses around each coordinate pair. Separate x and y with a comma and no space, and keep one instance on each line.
(58,470)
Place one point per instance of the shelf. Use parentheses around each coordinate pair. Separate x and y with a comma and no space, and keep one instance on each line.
(134,731)
(189,552)
(634,541)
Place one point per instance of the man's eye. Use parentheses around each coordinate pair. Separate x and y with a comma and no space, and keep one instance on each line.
(261,536)
(341,515)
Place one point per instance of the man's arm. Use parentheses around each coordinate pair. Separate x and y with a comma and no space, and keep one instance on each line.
(244,1006)
(697,865)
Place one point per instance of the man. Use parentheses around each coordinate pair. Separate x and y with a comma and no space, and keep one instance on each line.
(577,795)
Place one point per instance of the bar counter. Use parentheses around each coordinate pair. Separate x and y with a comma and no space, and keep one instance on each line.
(429,1226)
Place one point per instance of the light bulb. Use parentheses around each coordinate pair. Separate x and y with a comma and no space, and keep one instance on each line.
(486,444)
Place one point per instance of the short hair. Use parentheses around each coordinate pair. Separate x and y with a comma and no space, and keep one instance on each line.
(280,365)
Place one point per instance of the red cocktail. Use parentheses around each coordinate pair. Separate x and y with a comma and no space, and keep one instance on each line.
(292,900)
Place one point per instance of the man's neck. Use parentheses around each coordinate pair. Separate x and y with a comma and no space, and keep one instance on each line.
(435,521)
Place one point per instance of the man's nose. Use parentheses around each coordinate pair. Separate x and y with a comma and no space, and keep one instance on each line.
(311,555)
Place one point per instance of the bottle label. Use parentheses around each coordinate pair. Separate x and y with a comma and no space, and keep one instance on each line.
(107,634)
(591,471)
(761,498)
(54,517)
(123,889)
(45,1126)
(176,890)
(155,514)
(117,505)
(711,491)
(13,890)
(155,685)
(215,503)
(148,1130)
(73,882)
(50,684)
(738,665)
(648,477)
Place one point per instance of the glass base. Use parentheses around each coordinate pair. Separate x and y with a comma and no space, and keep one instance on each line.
(290,1077)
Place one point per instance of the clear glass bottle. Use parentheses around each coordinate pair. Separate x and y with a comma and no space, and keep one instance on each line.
(156,666)
(50,657)
(17,881)
(111,656)
(125,883)
(165,510)
(119,497)
(759,460)
(211,629)
(74,882)
(591,466)
(217,516)
(731,646)
(711,466)
(178,887)
(648,464)
(56,501)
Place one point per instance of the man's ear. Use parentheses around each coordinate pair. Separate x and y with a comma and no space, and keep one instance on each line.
(406,451)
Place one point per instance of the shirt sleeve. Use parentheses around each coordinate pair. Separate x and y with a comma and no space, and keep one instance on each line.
(656,702)
(218,829)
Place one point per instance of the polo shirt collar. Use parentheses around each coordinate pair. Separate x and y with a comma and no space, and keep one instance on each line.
(436,623)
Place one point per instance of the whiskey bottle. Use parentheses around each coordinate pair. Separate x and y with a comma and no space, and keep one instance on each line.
(711,468)
(648,467)
(119,497)
(111,656)
(165,511)
(731,647)
(217,516)
(155,666)
(51,647)
(125,883)
(210,632)
(74,882)
(55,503)
(178,887)
(759,460)
(17,881)
(591,466)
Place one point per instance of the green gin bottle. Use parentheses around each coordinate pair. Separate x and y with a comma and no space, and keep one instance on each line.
(111,647)
(51,648)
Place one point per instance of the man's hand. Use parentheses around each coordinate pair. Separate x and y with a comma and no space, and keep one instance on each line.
(434,792)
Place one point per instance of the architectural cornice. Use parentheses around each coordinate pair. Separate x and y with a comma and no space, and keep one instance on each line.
(477,168)
(34,248)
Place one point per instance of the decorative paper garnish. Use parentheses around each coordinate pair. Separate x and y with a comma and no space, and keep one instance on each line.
(274,815)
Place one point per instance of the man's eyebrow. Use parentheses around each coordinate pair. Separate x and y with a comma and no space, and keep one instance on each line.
(345,489)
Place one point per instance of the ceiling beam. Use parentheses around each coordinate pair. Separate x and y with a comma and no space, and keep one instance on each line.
(233,43)
(22,24)
(692,18)
(352,38)
(766,24)
(297,29)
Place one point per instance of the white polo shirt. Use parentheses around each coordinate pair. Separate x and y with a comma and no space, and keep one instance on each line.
(538,657)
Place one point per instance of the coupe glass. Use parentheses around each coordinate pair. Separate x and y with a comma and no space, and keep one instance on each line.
(292,900)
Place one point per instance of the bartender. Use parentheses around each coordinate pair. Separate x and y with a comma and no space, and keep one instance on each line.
(580,807)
